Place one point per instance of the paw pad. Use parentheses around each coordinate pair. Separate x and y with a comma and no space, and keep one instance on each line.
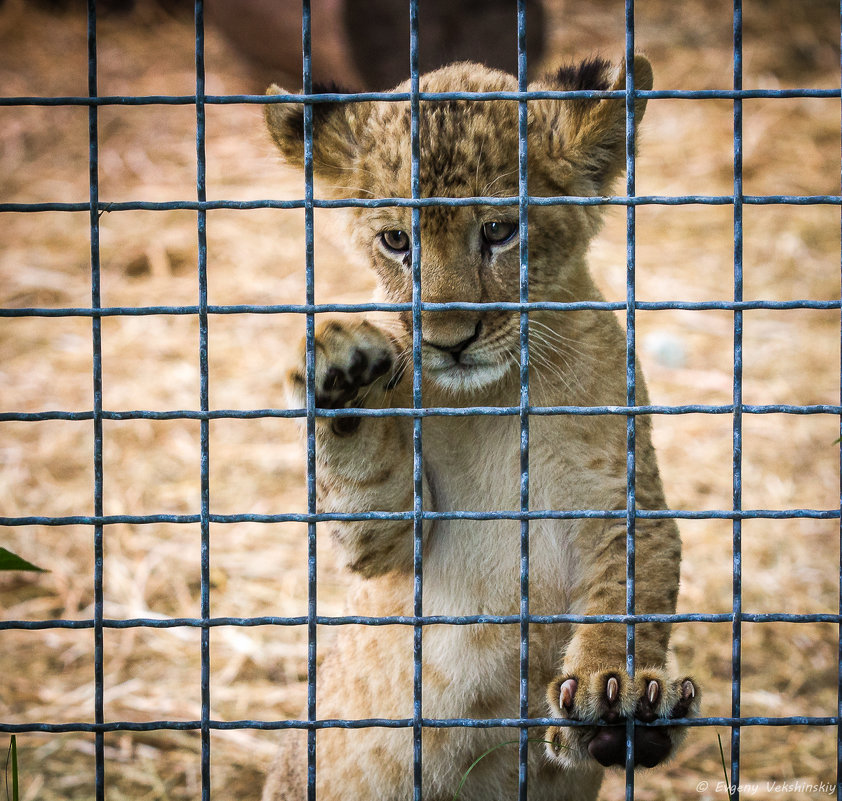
(349,359)
(607,699)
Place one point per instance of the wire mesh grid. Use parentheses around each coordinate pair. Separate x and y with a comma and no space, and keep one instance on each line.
(99,522)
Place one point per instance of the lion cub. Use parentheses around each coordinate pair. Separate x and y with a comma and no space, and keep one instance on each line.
(470,358)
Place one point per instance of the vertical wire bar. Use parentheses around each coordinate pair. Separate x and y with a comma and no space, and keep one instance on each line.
(417,452)
(96,335)
(310,387)
(523,223)
(738,398)
(631,429)
(204,425)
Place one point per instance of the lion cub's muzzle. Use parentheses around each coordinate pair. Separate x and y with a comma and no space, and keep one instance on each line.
(455,350)
(466,364)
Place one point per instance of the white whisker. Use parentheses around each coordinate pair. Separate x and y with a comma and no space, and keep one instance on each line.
(487,190)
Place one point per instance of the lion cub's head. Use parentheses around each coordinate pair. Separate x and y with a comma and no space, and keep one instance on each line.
(469,148)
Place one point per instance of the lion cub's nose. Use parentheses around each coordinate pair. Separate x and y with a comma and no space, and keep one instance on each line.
(456,350)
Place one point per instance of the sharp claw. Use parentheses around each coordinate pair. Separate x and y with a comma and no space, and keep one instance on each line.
(687,689)
(653,691)
(612,689)
(568,690)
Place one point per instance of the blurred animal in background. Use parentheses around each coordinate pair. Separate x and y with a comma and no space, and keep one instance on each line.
(364,44)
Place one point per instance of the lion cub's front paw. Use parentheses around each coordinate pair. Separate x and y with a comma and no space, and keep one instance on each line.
(609,697)
(350,358)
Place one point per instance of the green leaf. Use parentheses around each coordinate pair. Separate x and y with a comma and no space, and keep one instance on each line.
(10,561)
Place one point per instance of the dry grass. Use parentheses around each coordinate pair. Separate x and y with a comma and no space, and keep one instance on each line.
(257,256)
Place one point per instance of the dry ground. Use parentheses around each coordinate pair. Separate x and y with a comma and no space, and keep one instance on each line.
(148,258)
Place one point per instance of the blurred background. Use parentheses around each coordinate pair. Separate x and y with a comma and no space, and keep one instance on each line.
(791,146)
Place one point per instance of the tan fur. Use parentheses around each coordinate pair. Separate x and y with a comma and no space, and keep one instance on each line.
(470,148)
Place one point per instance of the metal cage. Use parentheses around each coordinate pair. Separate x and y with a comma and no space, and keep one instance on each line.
(99,523)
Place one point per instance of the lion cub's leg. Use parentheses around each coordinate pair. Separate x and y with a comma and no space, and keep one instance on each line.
(594,686)
(363,464)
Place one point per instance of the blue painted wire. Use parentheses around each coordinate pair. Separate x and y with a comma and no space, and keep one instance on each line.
(736,626)
(310,388)
(400,723)
(392,202)
(96,332)
(319,308)
(737,394)
(204,430)
(398,97)
(429,411)
(523,224)
(631,420)
(425,620)
(322,517)
(417,403)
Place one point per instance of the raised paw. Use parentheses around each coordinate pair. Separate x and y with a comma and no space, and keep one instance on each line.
(350,358)
(608,698)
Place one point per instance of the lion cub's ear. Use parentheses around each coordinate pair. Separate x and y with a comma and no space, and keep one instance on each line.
(587,138)
(334,132)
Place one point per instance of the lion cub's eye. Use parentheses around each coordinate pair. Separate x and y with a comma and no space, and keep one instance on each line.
(498,232)
(396,241)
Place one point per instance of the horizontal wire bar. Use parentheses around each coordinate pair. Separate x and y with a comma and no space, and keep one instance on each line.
(400,411)
(392,723)
(423,620)
(424,202)
(403,97)
(324,308)
(325,517)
